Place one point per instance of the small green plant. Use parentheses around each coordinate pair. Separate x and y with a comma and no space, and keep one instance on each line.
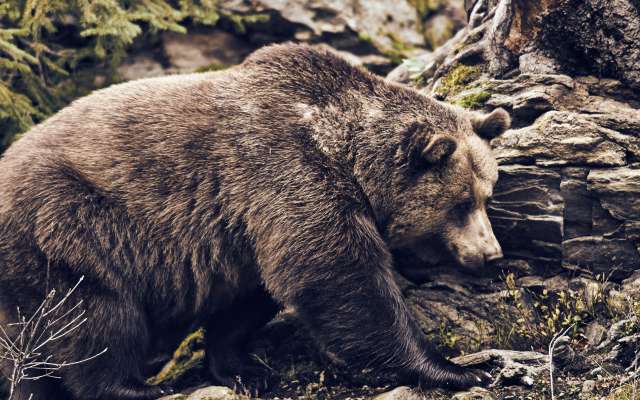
(624,392)
(540,315)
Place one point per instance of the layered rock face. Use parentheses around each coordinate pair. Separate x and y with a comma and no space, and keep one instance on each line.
(570,179)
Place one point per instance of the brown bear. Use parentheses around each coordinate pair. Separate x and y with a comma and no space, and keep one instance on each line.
(216,198)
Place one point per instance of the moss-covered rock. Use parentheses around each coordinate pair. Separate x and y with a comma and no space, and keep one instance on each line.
(457,79)
(474,100)
(188,357)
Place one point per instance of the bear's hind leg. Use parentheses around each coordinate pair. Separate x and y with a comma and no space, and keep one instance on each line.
(228,333)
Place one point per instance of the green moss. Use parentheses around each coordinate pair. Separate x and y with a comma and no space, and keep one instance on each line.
(473,100)
(364,37)
(216,66)
(189,355)
(457,79)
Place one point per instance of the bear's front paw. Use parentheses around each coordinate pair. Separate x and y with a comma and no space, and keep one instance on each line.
(451,377)
(464,378)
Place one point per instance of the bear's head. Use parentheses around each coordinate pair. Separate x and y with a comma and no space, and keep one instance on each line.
(444,181)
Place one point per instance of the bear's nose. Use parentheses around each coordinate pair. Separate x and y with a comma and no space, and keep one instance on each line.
(494,255)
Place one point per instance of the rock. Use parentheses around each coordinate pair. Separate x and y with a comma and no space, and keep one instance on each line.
(595,333)
(563,353)
(429,60)
(174,397)
(532,282)
(578,203)
(442,18)
(556,284)
(631,286)
(216,393)
(140,66)
(413,67)
(588,387)
(595,35)
(400,393)
(475,393)
(438,30)
(599,255)
(514,367)
(624,351)
(528,96)
(527,215)
(374,63)
(204,49)
(389,26)
(560,139)
(454,309)
(618,330)
(209,393)
(618,190)
(538,63)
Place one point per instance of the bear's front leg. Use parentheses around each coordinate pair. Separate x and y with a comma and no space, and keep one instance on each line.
(337,273)
(227,334)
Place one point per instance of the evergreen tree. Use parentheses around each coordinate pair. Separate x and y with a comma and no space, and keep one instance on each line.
(51,50)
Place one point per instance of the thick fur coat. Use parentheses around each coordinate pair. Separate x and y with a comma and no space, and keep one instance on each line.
(215,198)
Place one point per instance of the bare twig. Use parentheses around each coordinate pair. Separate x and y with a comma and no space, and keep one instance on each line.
(552,347)
(25,348)
(634,385)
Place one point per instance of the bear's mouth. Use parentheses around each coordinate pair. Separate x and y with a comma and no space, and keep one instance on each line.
(423,263)
(418,264)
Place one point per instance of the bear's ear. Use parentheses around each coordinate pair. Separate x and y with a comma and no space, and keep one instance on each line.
(491,125)
(438,148)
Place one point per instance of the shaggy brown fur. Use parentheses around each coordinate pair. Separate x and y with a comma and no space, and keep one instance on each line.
(183,199)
